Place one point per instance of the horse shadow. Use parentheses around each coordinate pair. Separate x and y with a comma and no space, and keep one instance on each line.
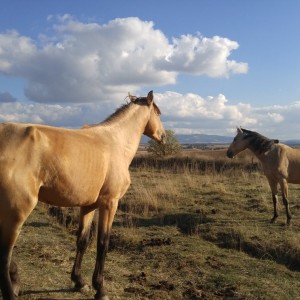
(186,223)
(60,291)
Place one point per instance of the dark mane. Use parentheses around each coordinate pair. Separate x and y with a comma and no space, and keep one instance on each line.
(119,112)
(257,142)
(123,109)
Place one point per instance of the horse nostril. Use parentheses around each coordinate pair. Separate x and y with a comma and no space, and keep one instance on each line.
(229,154)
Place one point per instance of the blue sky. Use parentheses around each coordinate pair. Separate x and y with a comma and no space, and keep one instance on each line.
(213,65)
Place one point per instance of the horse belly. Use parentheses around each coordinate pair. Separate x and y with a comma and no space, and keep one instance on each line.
(70,183)
(67,197)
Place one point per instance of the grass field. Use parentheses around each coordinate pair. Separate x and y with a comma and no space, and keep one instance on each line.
(194,227)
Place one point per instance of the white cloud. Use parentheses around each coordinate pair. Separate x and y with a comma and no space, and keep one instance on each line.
(191,113)
(15,50)
(92,62)
(183,113)
(203,56)
(275,117)
(75,115)
(93,66)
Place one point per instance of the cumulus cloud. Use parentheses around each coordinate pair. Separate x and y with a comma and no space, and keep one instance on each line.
(80,74)
(194,107)
(203,56)
(191,113)
(183,113)
(92,62)
(73,116)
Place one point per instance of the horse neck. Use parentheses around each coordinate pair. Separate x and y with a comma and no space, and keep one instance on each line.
(128,129)
(260,154)
(257,153)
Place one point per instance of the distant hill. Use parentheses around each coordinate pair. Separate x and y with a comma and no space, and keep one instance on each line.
(212,139)
(198,139)
(203,139)
(291,142)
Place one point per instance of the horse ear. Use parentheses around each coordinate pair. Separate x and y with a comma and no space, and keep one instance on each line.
(132,98)
(239,130)
(150,98)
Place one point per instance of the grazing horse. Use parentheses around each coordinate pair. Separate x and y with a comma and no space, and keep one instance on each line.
(87,168)
(280,163)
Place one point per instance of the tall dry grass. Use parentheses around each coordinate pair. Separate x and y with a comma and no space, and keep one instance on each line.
(227,202)
(194,226)
(231,198)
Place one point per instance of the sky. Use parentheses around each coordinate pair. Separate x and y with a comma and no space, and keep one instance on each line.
(213,65)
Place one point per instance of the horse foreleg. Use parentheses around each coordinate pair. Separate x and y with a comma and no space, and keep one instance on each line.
(284,189)
(275,200)
(106,216)
(5,281)
(9,280)
(83,239)
(274,188)
(14,277)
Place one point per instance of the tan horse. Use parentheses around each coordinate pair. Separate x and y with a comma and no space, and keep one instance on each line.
(280,163)
(86,167)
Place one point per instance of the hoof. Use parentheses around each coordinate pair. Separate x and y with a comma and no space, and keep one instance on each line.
(16,290)
(85,289)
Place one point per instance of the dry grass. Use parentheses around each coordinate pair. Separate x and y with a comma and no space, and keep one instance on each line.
(181,232)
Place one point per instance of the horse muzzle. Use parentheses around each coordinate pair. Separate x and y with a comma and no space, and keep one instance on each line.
(230,154)
(163,138)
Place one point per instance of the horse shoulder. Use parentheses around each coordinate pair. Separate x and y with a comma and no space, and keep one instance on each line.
(17,140)
(283,161)
(117,180)
(274,162)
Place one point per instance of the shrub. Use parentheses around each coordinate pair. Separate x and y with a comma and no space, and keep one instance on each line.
(171,146)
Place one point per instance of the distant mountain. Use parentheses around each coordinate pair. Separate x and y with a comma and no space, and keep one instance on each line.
(291,142)
(198,139)
(189,139)
(218,139)
(203,139)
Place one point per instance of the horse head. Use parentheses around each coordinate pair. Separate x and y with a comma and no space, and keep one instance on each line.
(154,127)
(238,144)
(256,142)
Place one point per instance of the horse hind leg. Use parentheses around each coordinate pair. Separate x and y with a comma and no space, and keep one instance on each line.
(287,209)
(83,240)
